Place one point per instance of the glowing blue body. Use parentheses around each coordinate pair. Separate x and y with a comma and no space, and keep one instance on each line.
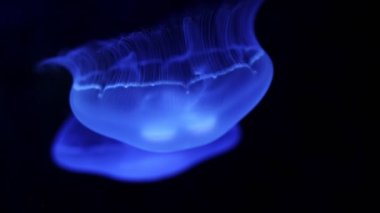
(163,100)
(79,149)
(179,86)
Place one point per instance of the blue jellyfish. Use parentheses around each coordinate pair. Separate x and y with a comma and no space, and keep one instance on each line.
(78,149)
(172,88)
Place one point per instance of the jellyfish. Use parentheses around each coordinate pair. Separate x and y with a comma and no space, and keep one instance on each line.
(175,89)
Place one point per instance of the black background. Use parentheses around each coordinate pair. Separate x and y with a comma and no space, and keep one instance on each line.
(304,146)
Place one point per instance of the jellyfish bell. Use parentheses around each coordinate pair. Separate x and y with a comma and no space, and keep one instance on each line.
(179,86)
(79,149)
